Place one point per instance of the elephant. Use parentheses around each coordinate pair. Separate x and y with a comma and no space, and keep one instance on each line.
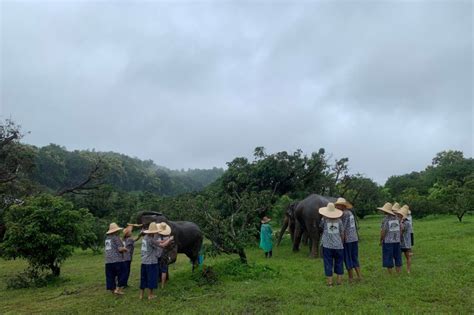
(187,237)
(307,219)
(288,222)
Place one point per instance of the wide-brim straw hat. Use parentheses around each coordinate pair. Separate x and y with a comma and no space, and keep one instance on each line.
(152,228)
(113,227)
(387,208)
(134,225)
(164,229)
(330,211)
(396,207)
(265,219)
(404,211)
(408,208)
(344,202)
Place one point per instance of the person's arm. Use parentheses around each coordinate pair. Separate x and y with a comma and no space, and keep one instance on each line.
(166,242)
(382,233)
(343,231)
(120,246)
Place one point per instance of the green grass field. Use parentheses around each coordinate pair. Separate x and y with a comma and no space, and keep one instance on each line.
(442,281)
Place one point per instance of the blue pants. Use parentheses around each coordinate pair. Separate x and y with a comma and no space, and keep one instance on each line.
(163,268)
(115,275)
(149,276)
(391,252)
(351,254)
(128,265)
(333,257)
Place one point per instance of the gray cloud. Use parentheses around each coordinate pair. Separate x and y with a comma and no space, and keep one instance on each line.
(196,84)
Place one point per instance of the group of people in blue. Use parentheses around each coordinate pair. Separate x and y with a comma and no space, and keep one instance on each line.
(340,240)
(119,254)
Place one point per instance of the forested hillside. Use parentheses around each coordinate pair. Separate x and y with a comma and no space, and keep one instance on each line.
(55,168)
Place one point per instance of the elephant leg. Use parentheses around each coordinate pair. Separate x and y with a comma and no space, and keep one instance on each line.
(298,234)
(315,246)
(305,238)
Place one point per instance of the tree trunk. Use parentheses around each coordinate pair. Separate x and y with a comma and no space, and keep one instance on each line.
(242,256)
(55,269)
(460,215)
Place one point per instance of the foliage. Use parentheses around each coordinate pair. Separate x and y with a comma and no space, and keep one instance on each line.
(44,230)
(58,168)
(446,186)
(362,192)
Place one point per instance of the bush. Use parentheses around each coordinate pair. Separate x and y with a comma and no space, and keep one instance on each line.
(44,230)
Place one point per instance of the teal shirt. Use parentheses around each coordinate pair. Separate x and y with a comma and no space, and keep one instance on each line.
(266,242)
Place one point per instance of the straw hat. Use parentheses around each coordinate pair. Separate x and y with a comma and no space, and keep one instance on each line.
(387,207)
(265,219)
(344,202)
(408,208)
(113,227)
(404,211)
(152,228)
(396,207)
(164,229)
(134,225)
(330,211)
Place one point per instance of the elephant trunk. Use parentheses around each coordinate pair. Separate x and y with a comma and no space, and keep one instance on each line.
(283,230)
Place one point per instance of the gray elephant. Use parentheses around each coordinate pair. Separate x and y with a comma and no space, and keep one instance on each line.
(307,219)
(289,222)
(187,237)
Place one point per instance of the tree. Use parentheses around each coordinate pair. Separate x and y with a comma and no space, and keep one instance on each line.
(362,192)
(234,226)
(44,230)
(16,162)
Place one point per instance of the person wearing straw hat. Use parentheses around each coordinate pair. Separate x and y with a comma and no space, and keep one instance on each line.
(114,263)
(164,239)
(405,241)
(266,241)
(129,243)
(149,268)
(390,239)
(410,219)
(332,241)
(351,240)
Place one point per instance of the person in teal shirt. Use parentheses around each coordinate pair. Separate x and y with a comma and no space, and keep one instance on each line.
(266,242)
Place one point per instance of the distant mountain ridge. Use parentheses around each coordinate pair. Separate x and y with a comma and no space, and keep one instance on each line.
(57,167)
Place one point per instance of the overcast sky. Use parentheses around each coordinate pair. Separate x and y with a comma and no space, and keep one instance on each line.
(193,85)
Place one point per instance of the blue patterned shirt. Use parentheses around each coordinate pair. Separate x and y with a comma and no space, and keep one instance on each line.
(391,226)
(149,250)
(130,245)
(333,231)
(112,245)
(350,230)
(406,235)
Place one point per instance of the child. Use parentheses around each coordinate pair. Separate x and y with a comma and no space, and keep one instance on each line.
(164,239)
(405,243)
(410,219)
(114,263)
(149,268)
(333,235)
(351,241)
(266,242)
(390,239)
(129,244)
